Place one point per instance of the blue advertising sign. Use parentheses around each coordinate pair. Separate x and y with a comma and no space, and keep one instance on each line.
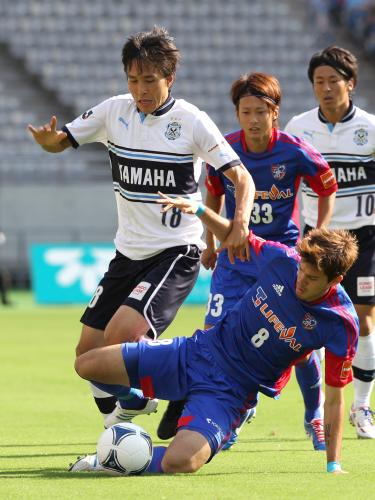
(68,273)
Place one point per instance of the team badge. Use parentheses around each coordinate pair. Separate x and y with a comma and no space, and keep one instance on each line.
(360,137)
(278,171)
(173,131)
(86,114)
(309,322)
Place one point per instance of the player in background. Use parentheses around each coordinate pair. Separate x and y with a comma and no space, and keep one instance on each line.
(345,135)
(154,142)
(277,163)
(296,305)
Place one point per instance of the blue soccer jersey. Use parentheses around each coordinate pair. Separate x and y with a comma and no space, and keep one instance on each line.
(270,329)
(277,174)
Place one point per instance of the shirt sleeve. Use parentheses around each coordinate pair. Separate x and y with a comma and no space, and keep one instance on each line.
(262,252)
(340,351)
(89,127)
(316,170)
(213,182)
(211,145)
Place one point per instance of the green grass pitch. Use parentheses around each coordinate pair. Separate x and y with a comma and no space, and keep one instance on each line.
(48,418)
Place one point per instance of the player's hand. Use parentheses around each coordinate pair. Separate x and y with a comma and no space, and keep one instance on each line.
(237,243)
(209,258)
(47,135)
(186,206)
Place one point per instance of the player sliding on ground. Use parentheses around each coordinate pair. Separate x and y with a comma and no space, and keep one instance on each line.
(297,305)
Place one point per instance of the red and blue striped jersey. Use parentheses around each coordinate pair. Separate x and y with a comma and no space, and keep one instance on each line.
(277,174)
(270,329)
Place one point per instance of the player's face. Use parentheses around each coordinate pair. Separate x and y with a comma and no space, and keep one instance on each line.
(331,89)
(312,283)
(256,118)
(148,87)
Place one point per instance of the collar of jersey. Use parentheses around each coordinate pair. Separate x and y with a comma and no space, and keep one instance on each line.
(164,108)
(348,116)
(272,142)
(331,291)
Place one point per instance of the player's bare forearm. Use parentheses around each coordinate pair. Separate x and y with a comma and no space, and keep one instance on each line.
(325,209)
(215,203)
(214,222)
(333,422)
(244,194)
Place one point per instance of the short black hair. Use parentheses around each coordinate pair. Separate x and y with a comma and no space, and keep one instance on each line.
(343,61)
(155,47)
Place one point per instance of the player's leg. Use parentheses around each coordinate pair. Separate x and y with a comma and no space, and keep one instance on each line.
(162,285)
(114,287)
(151,306)
(226,289)
(188,451)
(92,338)
(151,365)
(308,373)
(360,285)
(361,415)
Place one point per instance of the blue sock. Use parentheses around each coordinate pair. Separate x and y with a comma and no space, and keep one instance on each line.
(128,397)
(310,381)
(157,457)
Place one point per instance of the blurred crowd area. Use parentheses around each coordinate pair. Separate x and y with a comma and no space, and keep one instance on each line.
(355,17)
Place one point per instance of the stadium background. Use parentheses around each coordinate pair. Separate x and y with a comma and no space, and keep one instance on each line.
(63,57)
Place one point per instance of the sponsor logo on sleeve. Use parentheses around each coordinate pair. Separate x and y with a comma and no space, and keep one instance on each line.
(346,369)
(86,114)
(328,179)
(140,290)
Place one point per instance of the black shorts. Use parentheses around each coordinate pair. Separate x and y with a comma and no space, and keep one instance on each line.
(155,287)
(359,281)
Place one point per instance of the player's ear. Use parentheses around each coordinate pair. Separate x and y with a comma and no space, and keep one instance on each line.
(276,113)
(337,280)
(170,80)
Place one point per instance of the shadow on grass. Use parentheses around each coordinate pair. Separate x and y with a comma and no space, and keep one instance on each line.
(46,455)
(64,474)
(44,445)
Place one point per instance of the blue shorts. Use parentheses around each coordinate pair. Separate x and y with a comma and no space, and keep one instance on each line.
(228,286)
(180,368)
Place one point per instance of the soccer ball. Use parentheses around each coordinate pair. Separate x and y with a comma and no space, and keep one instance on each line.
(125,449)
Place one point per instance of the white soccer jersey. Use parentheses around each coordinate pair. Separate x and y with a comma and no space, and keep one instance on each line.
(163,152)
(349,148)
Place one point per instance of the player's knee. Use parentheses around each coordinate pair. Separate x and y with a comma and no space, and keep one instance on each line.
(181,463)
(85,365)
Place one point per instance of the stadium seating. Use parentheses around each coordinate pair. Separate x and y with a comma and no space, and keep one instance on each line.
(63,57)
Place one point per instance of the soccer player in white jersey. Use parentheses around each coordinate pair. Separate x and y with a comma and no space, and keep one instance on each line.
(345,135)
(155,142)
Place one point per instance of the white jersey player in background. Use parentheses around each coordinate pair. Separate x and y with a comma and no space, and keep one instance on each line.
(345,135)
(155,143)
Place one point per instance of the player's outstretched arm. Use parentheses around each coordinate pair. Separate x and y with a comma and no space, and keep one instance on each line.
(334,406)
(218,225)
(50,139)
(237,243)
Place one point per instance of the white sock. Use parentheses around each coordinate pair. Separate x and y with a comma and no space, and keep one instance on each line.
(365,360)
(98,393)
